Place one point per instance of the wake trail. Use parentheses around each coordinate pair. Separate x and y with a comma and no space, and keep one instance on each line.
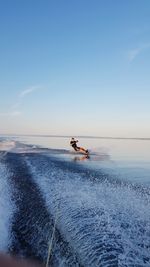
(106,224)
(101,221)
(32,225)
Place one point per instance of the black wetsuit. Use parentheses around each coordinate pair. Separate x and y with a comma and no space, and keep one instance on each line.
(74,144)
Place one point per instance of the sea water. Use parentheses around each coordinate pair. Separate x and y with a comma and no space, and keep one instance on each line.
(129,159)
(100,203)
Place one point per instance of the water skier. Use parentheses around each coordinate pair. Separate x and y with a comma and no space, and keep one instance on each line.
(74,142)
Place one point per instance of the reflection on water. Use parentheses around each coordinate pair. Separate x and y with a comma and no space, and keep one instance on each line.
(81,158)
(95,157)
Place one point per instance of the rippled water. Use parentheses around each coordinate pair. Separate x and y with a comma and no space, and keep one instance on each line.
(100,205)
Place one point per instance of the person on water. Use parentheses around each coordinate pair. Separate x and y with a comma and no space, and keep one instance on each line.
(74,142)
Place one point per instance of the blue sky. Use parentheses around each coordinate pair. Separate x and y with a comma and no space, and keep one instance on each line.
(75,67)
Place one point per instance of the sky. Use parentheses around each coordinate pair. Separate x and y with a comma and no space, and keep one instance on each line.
(75,67)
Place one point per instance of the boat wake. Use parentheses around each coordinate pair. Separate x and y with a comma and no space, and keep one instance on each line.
(99,220)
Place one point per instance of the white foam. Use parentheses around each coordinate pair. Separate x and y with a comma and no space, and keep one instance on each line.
(90,214)
(7,145)
(16,147)
(6,209)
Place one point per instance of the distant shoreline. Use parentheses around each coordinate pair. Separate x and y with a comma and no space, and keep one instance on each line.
(79,136)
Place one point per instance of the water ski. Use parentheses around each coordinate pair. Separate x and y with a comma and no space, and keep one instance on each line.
(84,152)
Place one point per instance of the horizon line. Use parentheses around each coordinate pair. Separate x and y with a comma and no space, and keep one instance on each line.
(78,136)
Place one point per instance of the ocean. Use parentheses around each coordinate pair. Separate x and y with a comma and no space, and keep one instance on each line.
(93,211)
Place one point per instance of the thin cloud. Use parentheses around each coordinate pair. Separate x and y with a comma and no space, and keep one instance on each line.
(10,114)
(28,91)
(133,53)
(23,94)
(14,112)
